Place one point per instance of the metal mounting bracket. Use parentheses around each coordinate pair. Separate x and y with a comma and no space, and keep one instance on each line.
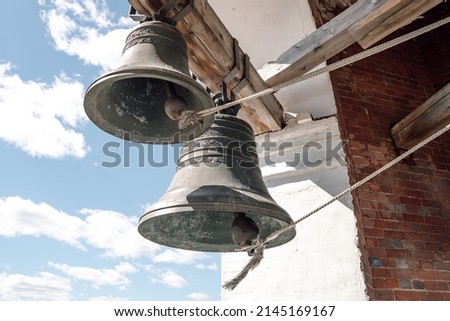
(136,16)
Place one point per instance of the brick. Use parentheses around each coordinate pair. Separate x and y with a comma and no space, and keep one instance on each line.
(377,252)
(369,213)
(392,283)
(427,265)
(391,215)
(407,184)
(431,203)
(401,264)
(429,211)
(413,245)
(405,284)
(390,243)
(398,253)
(436,221)
(406,296)
(417,284)
(436,286)
(373,232)
(384,295)
(375,262)
(382,273)
(371,242)
(413,218)
(365,205)
(439,266)
(444,276)
(402,274)
(394,207)
(427,275)
(399,226)
(395,235)
(413,201)
(421,255)
(379,283)
(431,296)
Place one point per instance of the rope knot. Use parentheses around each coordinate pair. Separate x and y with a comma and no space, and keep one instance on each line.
(189,117)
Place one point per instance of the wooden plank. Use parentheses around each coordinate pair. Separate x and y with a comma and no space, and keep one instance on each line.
(211,57)
(319,46)
(365,21)
(428,118)
(387,19)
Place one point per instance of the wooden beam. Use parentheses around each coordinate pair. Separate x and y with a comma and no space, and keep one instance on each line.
(366,21)
(427,119)
(387,19)
(212,57)
(318,46)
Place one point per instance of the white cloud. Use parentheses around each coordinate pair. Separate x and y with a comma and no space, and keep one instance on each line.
(107,298)
(112,232)
(39,118)
(116,234)
(24,217)
(98,277)
(197,296)
(44,286)
(211,267)
(86,29)
(179,256)
(171,279)
(126,268)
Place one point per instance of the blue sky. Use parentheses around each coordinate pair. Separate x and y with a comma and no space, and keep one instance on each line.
(68,225)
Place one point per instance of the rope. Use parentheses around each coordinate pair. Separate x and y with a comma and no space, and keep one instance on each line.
(187,117)
(230,285)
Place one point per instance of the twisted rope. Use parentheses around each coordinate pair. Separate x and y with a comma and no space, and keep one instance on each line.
(187,117)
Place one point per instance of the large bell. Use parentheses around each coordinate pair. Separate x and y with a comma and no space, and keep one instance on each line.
(216,180)
(142,99)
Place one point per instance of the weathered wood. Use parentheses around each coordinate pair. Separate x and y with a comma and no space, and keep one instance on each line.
(318,46)
(366,21)
(427,119)
(212,57)
(388,18)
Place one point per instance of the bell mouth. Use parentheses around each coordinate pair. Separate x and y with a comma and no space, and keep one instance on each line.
(203,223)
(129,104)
(185,230)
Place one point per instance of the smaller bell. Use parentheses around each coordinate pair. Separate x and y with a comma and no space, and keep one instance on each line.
(143,99)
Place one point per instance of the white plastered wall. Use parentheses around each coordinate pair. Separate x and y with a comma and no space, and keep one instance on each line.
(323,261)
(267,28)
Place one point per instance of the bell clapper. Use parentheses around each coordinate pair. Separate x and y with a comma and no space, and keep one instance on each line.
(174,104)
(244,231)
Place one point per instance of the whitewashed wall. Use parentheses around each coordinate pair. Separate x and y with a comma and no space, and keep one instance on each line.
(323,261)
(267,28)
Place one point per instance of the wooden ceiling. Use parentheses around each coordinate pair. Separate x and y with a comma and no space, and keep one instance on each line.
(215,56)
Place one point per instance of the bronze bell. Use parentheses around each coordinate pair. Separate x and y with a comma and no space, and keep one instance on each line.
(217,180)
(142,99)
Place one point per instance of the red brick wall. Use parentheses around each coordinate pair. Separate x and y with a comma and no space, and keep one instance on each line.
(403,216)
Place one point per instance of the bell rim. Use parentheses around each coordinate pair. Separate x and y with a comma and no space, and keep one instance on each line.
(271,210)
(167,74)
